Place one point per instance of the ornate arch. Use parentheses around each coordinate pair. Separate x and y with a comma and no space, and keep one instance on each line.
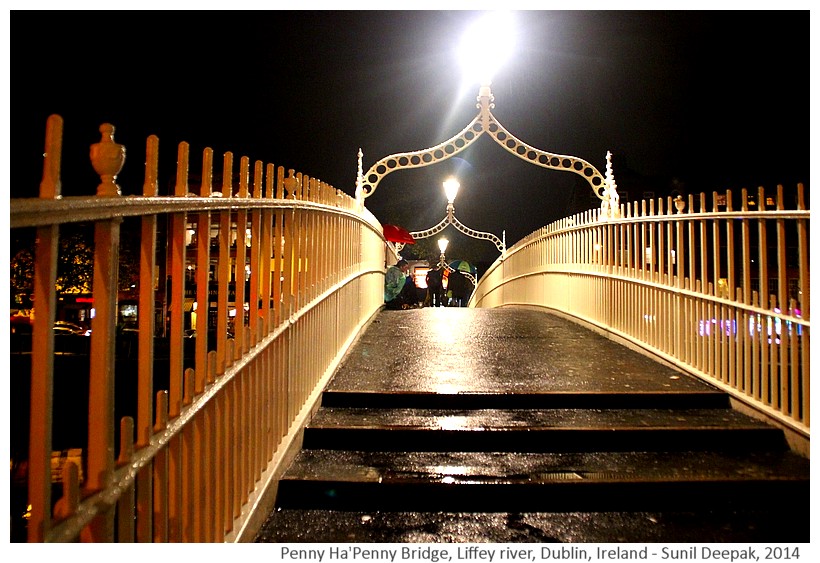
(485,122)
(450,219)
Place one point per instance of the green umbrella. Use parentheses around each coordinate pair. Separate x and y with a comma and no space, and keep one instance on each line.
(462,266)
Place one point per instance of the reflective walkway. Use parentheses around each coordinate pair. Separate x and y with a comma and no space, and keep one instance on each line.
(516,425)
(512,350)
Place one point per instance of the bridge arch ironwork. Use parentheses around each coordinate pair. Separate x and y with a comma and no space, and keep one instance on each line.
(451,219)
(432,231)
(603,186)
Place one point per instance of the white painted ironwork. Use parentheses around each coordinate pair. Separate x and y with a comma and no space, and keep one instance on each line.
(485,122)
(197,459)
(450,219)
(720,293)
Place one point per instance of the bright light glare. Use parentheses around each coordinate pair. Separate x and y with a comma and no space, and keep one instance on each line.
(442,244)
(451,186)
(486,46)
(452,422)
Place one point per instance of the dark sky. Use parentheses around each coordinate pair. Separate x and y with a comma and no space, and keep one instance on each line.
(697,100)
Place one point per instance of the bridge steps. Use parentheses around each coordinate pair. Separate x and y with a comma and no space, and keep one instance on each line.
(691,458)
(516,425)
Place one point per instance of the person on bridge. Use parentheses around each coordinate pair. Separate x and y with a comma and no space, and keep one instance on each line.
(435,287)
(460,288)
(399,289)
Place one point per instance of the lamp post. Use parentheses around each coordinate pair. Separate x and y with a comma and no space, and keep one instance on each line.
(451,186)
(442,246)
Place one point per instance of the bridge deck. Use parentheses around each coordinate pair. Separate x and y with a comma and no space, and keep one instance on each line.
(508,350)
(517,425)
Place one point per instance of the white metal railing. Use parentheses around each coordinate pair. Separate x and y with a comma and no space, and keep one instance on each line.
(196,456)
(720,293)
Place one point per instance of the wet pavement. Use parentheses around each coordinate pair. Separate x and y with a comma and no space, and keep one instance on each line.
(461,350)
(450,425)
(323,526)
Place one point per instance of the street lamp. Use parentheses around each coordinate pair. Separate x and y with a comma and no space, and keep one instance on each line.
(442,246)
(451,186)
(486,45)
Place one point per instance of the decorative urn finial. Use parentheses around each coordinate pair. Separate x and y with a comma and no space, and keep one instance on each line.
(680,203)
(107,158)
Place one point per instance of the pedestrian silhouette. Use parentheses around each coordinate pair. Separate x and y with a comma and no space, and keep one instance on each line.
(435,287)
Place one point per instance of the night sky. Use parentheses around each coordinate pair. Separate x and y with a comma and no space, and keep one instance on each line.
(685,100)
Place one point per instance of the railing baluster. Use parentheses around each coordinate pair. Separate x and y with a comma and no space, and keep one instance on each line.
(161,474)
(42,345)
(202,275)
(101,364)
(126,502)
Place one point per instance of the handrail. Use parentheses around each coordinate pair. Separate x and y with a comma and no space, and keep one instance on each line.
(310,257)
(684,285)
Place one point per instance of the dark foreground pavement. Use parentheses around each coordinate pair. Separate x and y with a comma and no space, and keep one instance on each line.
(450,425)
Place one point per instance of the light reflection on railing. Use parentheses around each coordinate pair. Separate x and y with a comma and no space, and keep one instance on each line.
(773,327)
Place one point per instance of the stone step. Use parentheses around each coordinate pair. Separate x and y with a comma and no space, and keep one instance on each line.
(516,425)
(631,399)
(446,528)
(542,482)
(538,430)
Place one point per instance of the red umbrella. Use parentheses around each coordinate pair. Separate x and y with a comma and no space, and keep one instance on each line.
(394,233)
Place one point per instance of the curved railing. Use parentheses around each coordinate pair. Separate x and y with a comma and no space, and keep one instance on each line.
(185,432)
(684,285)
